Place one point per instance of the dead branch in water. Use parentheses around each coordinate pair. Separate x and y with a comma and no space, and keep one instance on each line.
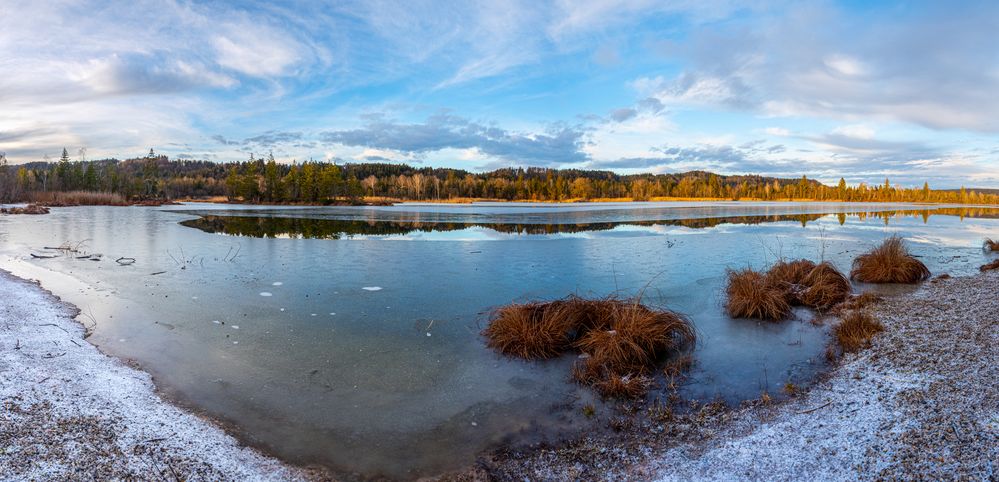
(124,261)
(42,256)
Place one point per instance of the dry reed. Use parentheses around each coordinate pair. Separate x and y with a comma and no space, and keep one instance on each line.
(856,330)
(78,198)
(889,263)
(823,287)
(989,266)
(621,340)
(991,245)
(752,295)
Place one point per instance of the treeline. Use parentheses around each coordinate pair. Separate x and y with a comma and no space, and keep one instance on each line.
(261,180)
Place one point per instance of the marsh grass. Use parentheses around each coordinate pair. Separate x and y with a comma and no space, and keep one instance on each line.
(858,302)
(991,245)
(751,294)
(78,198)
(770,295)
(621,340)
(823,287)
(889,263)
(856,330)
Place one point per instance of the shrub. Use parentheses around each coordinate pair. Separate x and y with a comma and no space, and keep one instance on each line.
(889,263)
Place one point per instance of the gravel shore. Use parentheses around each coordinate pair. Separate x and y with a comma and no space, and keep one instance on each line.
(921,403)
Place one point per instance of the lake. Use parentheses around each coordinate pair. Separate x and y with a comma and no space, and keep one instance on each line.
(349,336)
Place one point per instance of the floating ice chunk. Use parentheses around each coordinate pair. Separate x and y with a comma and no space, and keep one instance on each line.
(428,334)
(332,314)
(194,297)
(313,314)
(265,293)
(216,322)
(282,309)
(235,343)
(235,327)
(372,288)
(277,283)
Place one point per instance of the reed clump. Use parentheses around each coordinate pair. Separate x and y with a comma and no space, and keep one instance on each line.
(991,245)
(751,294)
(621,341)
(856,330)
(890,262)
(823,287)
(770,295)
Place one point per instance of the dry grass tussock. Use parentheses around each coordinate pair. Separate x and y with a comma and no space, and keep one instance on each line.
(78,198)
(752,295)
(990,266)
(621,340)
(889,263)
(856,330)
(770,295)
(991,245)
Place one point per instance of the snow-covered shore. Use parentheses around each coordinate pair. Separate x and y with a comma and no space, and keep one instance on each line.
(70,412)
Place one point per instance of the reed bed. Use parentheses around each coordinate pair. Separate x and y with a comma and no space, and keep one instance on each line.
(78,198)
(29,209)
(621,341)
(890,262)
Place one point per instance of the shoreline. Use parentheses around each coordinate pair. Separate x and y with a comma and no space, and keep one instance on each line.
(71,411)
(58,389)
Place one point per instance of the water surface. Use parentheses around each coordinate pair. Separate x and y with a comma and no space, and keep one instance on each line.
(349,336)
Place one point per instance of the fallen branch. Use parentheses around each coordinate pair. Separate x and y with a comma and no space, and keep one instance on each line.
(42,256)
(156,273)
(55,325)
(125,261)
(49,355)
(816,408)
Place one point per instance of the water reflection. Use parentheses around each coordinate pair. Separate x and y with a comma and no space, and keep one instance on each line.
(283,226)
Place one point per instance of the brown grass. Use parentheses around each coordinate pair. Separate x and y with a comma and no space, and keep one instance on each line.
(530,330)
(623,386)
(856,330)
(857,302)
(991,245)
(790,272)
(752,295)
(990,266)
(824,287)
(621,340)
(29,209)
(889,263)
(78,198)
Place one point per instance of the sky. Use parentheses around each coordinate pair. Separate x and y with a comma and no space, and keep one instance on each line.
(862,90)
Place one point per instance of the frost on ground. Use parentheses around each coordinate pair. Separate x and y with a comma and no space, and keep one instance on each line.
(922,403)
(70,412)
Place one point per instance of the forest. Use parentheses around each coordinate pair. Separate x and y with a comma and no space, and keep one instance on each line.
(264,180)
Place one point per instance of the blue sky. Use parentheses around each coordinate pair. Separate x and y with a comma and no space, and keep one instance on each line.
(864,90)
